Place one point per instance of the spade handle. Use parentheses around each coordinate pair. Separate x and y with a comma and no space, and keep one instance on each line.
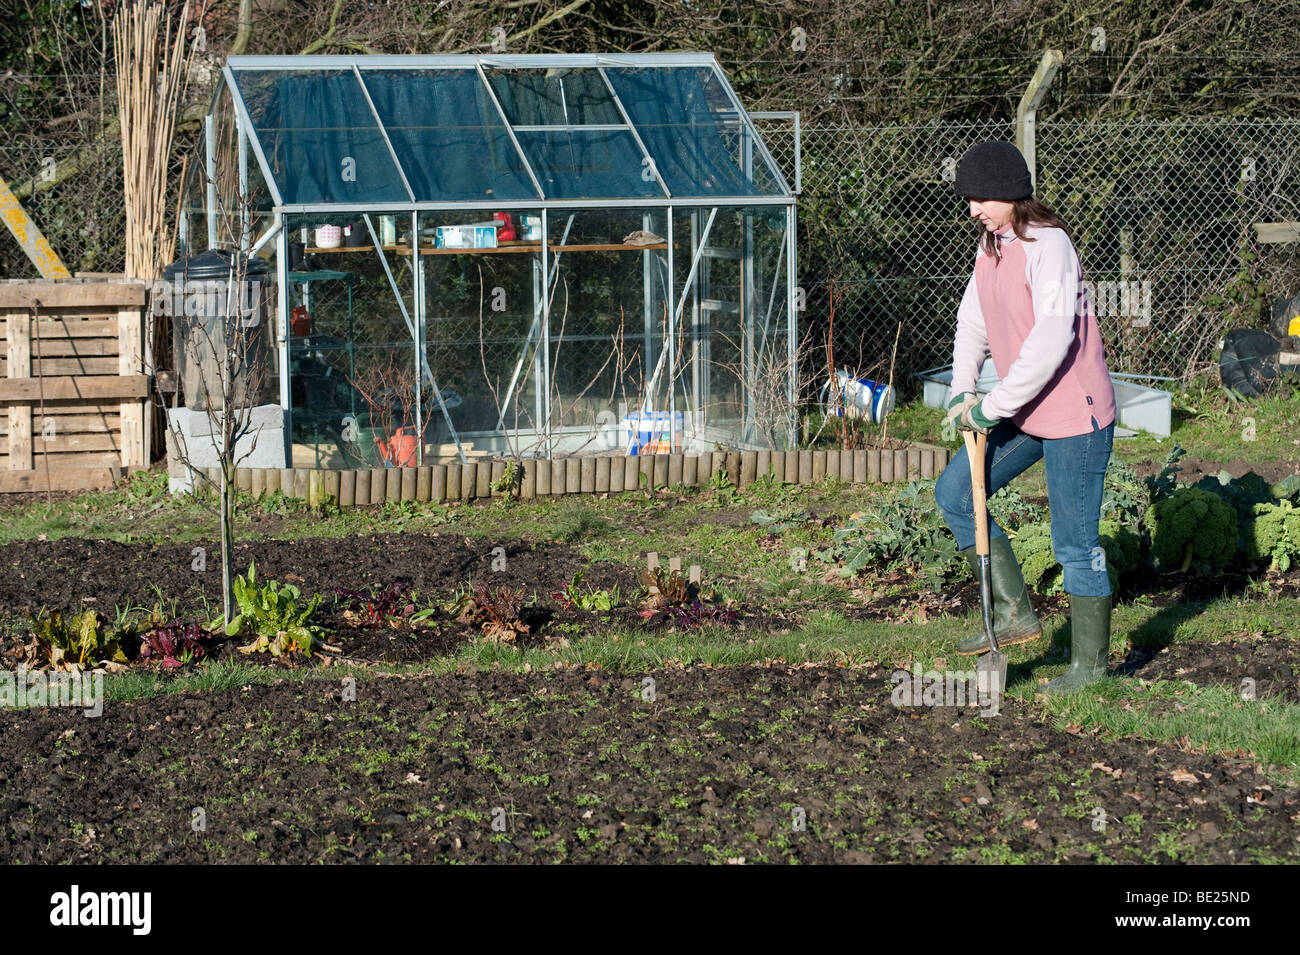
(976,444)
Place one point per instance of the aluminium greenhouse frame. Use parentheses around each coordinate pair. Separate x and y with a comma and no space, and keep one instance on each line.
(753,151)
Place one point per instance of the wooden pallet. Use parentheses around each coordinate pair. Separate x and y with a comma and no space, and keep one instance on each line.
(73,389)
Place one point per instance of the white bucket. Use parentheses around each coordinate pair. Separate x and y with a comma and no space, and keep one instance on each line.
(864,398)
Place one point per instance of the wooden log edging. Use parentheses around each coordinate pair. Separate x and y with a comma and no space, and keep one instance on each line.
(613,474)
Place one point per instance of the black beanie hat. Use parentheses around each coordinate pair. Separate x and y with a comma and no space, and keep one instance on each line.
(993,170)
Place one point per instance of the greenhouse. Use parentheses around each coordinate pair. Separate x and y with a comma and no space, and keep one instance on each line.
(527,256)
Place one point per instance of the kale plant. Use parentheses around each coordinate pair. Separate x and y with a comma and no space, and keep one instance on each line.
(905,532)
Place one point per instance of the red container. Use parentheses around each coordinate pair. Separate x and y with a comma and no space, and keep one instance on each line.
(300,322)
(399,450)
(506,227)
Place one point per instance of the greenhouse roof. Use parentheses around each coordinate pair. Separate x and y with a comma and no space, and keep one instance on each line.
(404,132)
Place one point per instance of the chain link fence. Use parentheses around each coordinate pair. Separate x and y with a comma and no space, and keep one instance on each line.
(66,170)
(1162,213)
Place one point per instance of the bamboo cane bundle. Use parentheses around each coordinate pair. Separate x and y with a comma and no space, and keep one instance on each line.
(152,70)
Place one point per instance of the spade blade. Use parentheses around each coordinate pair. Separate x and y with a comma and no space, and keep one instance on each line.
(991,671)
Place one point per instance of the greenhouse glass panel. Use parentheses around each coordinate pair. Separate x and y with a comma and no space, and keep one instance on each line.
(589,164)
(693,132)
(320,137)
(555,97)
(448,135)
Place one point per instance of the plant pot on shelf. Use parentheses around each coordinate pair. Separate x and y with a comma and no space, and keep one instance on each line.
(356,235)
(300,321)
(328,237)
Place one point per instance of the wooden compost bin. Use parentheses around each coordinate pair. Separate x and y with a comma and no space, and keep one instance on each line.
(606,474)
(73,387)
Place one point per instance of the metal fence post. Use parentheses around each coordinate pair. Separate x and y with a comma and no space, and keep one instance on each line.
(1027,111)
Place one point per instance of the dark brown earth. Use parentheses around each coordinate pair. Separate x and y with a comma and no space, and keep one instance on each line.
(1193,469)
(1272,663)
(64,573)
(588,766)
(70,574)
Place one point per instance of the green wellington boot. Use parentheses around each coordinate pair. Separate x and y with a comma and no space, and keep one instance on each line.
(1089,645)
(1014,620)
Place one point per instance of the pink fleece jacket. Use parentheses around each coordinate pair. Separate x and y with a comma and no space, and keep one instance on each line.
(1030,309)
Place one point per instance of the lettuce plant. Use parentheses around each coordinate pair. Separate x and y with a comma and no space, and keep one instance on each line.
(174,644)
(273,614)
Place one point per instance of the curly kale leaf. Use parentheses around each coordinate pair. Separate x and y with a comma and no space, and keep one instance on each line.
(1192,529)
(1273,534)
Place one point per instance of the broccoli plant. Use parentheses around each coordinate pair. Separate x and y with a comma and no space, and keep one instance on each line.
(1033,548)
(1272,534)
(1123,549)
(1125,495)
(1011,511)
(1241,494)
(1191,529)
(905,532)
(1162,485)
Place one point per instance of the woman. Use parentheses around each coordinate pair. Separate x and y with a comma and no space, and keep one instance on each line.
(1026,303)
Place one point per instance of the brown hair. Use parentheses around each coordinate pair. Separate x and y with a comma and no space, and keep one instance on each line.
(1026,212)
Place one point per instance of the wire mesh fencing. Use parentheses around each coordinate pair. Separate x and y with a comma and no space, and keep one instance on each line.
(66,170)
(1163,214)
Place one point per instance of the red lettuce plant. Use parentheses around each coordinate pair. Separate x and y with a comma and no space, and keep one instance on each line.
(370,608)
(175,644)
(696,613)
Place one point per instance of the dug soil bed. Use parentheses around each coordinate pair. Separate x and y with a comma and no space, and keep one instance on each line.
(894,597)
(875,601)
(1192,469)
(809,764)
(1271,662)
(72,573)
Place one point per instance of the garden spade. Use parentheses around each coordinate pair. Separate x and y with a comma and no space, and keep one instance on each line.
(991,671)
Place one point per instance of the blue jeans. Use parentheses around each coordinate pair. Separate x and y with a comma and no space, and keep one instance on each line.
(1076,471)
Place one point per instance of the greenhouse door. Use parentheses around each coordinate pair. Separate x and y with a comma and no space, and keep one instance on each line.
(721,332)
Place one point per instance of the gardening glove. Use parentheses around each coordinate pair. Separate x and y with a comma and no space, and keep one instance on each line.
(972,418)
(958,405)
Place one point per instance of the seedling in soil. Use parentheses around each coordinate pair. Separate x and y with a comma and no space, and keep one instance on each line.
(594,600)
(174,644)
(679,597)
(670,588)
(782,519)
(697,613)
